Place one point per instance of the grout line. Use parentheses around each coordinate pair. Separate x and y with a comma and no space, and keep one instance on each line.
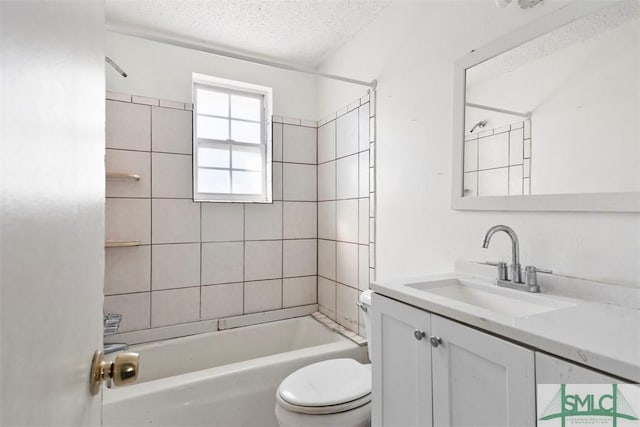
(150,218)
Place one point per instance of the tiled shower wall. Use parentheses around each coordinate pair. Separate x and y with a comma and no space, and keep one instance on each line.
(201,261)
(346,192)
(497,162)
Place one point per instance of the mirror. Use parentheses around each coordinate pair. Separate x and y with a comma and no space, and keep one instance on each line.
(555,115)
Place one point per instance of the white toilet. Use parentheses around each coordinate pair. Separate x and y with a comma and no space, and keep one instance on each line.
(334,392)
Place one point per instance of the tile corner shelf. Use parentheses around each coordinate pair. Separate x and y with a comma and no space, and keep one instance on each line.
(123,176)
(121,243)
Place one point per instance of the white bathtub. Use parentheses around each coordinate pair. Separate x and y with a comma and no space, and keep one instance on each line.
(226,378)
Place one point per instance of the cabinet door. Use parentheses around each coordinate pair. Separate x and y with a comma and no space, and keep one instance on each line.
(401,365)
(480,380)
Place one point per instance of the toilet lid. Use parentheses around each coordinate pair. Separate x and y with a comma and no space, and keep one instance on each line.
(331,382)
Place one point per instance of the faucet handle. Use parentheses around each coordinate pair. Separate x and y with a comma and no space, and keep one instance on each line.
(531,276)
(502,269)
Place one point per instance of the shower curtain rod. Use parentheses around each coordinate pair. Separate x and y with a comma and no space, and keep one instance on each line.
(207,49)
(526,115)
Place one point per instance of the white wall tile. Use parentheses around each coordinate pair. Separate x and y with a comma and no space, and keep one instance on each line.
(171,130)
(527,168)
(327,258)
(470,184)
(276,169)
(262,295)
(116,96)
(372,230)
(263,221)
(493,151)
(171,176)
(300,220)
(347,220)
(128,219)
(327,181)
(372,179)
(527,149)
(471,155)
(145,100)
(128,126)
(220,301)
(277,142)
(347,264)
(175,266)
(299,182)
(363,174)
(299,144)
(175,221)
(527,129)
(515,180)
(347,134)
(222,263)
(327,220)
(299,291)
(363,124)
(172,104)
(327,142)
(363,221)
(222,222)
(135,310)
(516,148)
(494,182)
(346,307)
(175,306)
(327,297)
(135,162)
(363,267)
(347,177)
(372,129)
(299,257)
(127,270)
(263,260)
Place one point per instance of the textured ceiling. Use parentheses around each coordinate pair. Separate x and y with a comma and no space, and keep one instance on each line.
(298,32)
(576,32)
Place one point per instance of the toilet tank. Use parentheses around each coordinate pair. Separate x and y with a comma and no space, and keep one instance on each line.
(365,308)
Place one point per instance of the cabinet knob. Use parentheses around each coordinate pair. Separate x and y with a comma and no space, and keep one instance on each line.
(435,341)
(419,334)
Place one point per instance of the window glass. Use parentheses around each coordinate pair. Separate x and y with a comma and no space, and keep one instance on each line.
(212,102)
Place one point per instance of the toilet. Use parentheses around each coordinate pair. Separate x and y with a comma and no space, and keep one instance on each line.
(335,392)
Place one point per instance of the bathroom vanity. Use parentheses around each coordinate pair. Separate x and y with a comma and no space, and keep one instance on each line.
(457,350)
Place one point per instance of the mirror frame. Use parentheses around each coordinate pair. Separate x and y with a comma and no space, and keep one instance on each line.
(587,202)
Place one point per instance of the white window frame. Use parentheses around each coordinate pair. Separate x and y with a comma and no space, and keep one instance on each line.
(265,147)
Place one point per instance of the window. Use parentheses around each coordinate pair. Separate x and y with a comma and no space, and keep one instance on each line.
(231,145)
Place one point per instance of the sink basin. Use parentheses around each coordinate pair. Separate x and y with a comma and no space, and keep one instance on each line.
(500,301)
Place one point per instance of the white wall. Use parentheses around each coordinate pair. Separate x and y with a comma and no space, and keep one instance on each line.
(163,71)
(410,50)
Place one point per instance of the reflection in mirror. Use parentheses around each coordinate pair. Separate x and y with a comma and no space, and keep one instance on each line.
(558,114)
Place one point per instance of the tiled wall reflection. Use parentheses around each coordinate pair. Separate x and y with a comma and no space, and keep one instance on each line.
(346,178)
(200,261)
(497,162)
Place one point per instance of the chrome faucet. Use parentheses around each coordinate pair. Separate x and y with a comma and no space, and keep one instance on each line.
(516,274)
(530,282)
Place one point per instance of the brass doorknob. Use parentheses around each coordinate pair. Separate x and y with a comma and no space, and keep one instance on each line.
(123,370)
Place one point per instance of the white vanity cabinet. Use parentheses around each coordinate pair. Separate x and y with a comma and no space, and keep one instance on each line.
(401,356)
(469,378)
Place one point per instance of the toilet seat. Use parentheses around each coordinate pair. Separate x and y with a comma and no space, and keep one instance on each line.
(327,387)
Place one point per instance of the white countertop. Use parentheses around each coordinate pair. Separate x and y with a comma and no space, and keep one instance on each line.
(603,336)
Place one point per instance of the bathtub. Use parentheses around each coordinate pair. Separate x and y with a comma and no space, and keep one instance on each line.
(225,378)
